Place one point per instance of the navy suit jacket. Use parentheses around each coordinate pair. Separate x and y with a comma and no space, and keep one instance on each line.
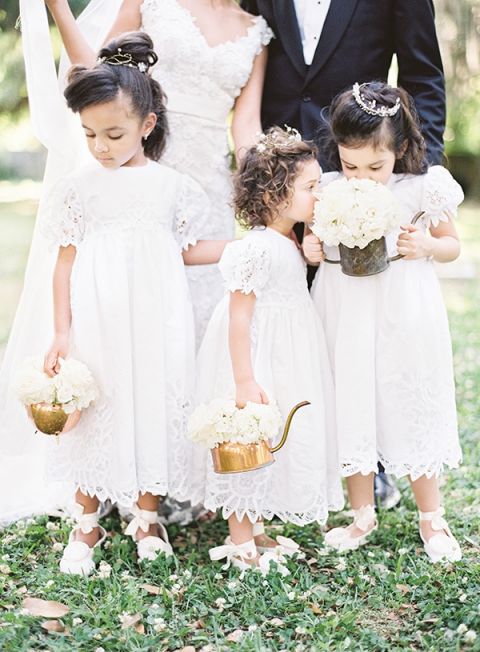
(357,43)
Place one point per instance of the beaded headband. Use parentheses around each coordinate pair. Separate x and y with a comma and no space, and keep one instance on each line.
(270,141)
(123,59)
(370,106)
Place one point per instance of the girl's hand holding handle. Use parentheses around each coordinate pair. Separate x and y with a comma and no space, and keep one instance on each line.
(59,349)
(249,391)
(313,249)
(414,243)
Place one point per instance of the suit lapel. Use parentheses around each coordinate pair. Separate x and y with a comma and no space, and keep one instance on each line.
(336,23)
(289,33)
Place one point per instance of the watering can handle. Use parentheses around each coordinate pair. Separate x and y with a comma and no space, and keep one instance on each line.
(415,219)
(287,426)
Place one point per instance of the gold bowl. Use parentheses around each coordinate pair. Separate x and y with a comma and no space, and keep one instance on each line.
(237,458)
(52,419)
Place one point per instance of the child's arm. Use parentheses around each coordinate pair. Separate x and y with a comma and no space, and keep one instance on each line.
(240,317)
(205,252)
(78,50)
(440,242)
(61,309)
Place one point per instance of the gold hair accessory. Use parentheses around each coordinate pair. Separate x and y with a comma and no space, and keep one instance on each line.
(370,106)
(123,59)
(270,141)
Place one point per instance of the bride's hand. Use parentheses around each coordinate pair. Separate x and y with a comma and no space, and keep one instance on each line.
(249,392)
(59,349)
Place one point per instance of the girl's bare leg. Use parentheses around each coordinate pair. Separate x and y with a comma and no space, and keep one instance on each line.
(90,506)
(360,493)
(427,497)
(149,502)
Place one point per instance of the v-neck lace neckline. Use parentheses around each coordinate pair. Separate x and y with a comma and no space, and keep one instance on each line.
(193,21)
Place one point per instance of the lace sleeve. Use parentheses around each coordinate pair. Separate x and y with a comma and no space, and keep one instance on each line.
(245,266)
(441,196)
(264,32)
(192,211)
(63,221)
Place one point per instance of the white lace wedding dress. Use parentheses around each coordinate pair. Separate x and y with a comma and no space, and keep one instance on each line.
(201,83)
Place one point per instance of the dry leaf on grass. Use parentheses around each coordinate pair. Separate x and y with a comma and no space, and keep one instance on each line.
(236,636)
(131,620)
(188,648)
(53,626)
(140,628)
(46,608)
(150,588)
(403,588)
(197,624)
(315,608)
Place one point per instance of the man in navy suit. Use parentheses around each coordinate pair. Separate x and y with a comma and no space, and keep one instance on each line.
(324,46)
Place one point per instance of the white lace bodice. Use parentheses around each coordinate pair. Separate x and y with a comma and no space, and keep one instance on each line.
(96,201)
(268,264)
(207,79)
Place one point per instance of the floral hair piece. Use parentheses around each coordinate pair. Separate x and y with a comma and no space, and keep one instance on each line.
(370,106)
(123,59)
(270,141)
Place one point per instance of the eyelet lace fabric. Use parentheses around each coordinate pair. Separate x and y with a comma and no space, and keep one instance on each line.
(201,84)
(389,343)
(132,325)
(290,361)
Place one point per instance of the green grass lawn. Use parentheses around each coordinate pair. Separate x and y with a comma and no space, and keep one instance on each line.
(386,596)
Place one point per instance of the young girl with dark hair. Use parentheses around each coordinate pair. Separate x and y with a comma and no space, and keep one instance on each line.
(388,334)
(265,342)
(121,302)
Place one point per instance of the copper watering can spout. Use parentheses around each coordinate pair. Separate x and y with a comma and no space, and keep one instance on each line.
(231,457)
(286,428)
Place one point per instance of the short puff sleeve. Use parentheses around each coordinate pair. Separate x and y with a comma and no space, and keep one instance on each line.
(245,266)
(441,196)
(63,219)
(191,215)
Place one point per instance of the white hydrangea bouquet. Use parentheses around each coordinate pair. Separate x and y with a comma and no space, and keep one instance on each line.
(54,403)
(353,213)
(220,421)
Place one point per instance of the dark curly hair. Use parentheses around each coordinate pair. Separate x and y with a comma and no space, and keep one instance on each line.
(351,126)
(265,177)
(103,82)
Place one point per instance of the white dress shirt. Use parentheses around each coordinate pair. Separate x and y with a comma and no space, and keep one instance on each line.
(311,16)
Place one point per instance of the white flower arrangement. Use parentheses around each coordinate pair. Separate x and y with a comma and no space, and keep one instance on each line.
(221,421)
(73,387)
(354,212)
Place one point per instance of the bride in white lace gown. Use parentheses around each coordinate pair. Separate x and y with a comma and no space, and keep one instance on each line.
(211,60)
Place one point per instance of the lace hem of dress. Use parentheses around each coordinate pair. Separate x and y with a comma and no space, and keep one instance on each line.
(402,469)
(317,514)
(128,497)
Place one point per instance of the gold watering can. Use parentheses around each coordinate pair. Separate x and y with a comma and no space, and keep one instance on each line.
(52,419)
(231,457)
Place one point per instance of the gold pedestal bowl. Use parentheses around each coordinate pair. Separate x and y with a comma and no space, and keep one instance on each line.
(52,419)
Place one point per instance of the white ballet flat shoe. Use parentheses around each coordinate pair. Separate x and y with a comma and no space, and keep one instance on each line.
(77,558)
(148,547)
(341,539)
(286,547)
(442,546)
(238,555)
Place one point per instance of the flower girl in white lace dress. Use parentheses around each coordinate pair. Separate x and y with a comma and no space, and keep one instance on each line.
(211,60)
(122,303)
(388,334)
(265,342)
